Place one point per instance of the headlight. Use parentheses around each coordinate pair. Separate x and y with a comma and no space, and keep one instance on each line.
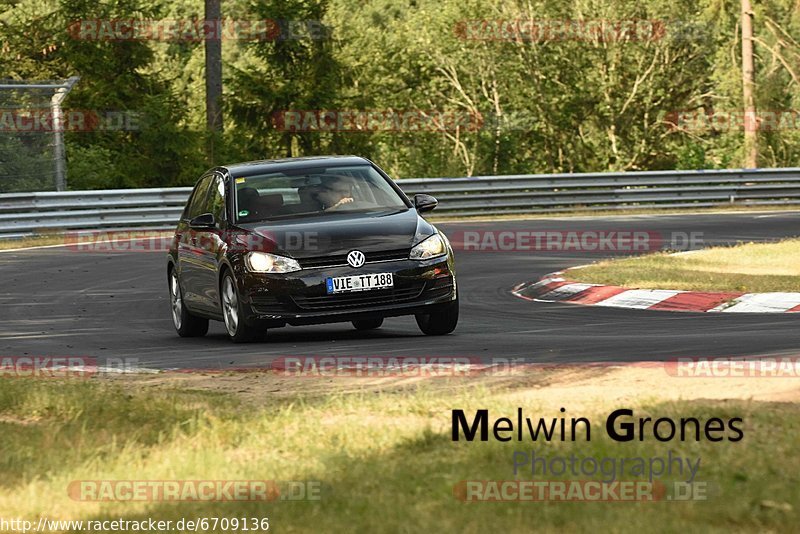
(428,248)
(261,262)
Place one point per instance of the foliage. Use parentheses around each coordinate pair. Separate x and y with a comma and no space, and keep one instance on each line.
(550,105)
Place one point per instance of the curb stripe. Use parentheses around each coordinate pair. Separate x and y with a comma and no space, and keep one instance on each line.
(691,301)
(530,291)
(639,299)
(564,292)
(549,285)
(554,288)
(546,281)
(761,303)
(595,294)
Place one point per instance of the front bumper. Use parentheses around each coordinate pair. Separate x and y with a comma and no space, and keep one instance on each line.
(300,298)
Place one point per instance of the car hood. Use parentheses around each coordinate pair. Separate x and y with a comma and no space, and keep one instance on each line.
(338,234)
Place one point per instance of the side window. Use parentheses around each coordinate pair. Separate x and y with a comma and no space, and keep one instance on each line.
(216,199)
(198,200)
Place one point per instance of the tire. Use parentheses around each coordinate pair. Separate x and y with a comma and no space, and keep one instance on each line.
(239,331)
(186,324)
(368,324)
(440,322)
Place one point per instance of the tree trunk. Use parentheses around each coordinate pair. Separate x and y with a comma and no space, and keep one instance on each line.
(213,46)
(748,73)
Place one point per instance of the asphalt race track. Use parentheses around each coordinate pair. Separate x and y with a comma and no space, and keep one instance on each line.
(60,302)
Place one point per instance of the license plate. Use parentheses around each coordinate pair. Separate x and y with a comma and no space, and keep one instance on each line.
(362,282)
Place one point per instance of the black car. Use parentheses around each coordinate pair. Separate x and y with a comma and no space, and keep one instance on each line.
(307,241)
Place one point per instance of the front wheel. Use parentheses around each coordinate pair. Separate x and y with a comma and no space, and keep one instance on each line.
(233,314)
(186,324)
(440,322)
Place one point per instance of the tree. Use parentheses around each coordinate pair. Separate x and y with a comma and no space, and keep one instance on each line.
(748,82)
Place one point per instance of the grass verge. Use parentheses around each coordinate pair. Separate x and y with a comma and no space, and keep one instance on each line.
(33,241)
(384,459)
(748,267)
(99,240)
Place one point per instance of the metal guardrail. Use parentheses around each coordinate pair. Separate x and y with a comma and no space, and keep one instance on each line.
(49,212)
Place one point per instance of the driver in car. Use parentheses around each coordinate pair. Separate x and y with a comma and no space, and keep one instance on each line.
(335,193)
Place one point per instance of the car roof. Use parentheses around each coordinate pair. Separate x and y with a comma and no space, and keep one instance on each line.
(250,168)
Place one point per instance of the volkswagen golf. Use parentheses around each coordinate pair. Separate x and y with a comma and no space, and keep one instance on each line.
(304,241)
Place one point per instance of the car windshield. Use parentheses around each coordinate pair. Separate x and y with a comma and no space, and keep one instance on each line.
(314,192)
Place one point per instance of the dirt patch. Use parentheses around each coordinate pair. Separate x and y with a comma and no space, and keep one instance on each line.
(579,386)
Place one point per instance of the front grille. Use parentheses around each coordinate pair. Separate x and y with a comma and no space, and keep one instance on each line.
(388,255)
(341,259)
(359,299)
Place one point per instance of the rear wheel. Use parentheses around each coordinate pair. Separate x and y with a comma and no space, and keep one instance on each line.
(440,322)
(368,324)
(233,314)
(186,324)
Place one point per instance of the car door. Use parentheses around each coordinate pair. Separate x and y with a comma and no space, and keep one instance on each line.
(209,246)
(189,263)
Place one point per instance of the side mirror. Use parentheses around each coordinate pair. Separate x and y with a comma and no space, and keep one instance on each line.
(203,222)
(424,202)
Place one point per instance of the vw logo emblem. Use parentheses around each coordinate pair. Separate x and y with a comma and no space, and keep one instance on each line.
(355,258)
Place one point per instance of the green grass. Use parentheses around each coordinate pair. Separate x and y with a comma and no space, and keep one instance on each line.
(750,267)
(385,460)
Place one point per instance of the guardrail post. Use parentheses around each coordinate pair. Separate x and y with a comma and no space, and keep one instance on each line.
(58,131)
